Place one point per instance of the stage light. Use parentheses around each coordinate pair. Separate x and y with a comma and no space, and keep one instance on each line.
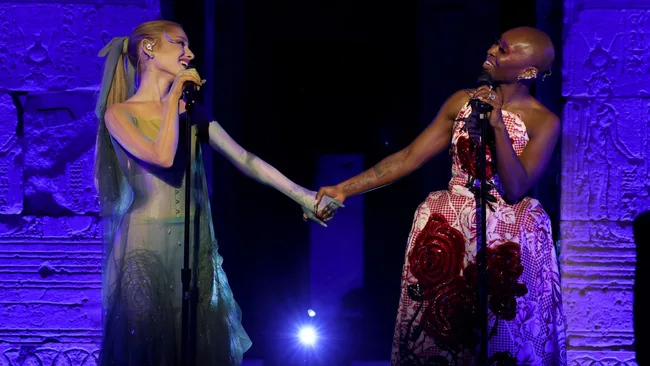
(307,336)
(311,313)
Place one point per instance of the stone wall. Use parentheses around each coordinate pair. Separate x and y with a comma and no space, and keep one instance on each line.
(50,255)
(606,75)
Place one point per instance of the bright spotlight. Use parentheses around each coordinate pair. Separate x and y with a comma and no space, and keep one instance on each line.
(311,313)
(307,336)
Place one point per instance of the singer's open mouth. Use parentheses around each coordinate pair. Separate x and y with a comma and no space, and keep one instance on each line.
(489,63)
(185,64)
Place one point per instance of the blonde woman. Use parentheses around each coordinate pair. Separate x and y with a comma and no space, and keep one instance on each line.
(139,174)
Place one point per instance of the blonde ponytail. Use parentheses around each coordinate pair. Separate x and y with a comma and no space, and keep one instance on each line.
(115,88)
(118,84)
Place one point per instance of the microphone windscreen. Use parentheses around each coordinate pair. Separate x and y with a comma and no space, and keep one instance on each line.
(484,79)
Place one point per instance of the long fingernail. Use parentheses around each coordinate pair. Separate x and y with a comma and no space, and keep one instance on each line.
(203,81)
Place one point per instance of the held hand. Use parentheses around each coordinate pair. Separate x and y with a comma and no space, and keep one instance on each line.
(308,214)
(183,77)
(327,205)
(332,191)
(493,98)
(328,200)
(325,209)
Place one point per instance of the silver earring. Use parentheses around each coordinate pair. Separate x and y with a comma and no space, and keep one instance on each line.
(149,47)
(527,77)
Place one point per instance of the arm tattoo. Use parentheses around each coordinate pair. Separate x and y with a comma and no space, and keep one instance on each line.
(382,168)
(352,187)
(386,166)
(369,179)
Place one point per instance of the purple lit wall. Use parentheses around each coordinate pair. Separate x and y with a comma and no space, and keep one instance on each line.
(606,76)
(50,255)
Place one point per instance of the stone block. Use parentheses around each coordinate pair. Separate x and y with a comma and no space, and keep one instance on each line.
(50,287)
(20,227)
(606,145)
(599,358)
(606,49)
(60,133)
(11,159)
(57,48)
(51,354)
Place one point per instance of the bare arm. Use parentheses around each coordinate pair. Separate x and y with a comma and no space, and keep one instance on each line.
(255,167)
(160,152)
(434,139)
(519,173)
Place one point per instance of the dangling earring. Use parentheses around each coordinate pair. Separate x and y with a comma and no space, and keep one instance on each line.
(546,74)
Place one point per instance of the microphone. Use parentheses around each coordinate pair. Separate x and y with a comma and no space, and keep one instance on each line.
(485,79)
(478,117)
(189,90)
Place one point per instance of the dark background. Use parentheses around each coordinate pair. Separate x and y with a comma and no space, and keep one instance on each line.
(293,79)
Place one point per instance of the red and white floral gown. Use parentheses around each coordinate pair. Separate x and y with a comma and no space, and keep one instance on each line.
(436,320)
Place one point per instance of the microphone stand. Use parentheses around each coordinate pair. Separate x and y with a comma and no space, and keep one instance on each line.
(187,345)
(481,240)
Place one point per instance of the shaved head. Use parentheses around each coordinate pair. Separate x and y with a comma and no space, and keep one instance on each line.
(521,55)
(536,46)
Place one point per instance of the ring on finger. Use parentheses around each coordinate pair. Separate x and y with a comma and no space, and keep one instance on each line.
(492,96)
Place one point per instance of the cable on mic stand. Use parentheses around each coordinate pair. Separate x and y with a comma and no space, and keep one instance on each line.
(480,134)
(187,341)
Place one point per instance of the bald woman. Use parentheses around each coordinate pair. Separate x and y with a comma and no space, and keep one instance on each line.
(436,319)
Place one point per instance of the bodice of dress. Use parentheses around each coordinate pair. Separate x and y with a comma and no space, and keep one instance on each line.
(464,153)
(158,193)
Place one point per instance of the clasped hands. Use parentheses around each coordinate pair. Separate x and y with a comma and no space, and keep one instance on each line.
(494,99)
(326,202)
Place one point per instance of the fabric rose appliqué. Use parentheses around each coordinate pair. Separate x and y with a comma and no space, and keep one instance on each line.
(504,269)
(438,252)
(436,261)
(467,152)
(448,298)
